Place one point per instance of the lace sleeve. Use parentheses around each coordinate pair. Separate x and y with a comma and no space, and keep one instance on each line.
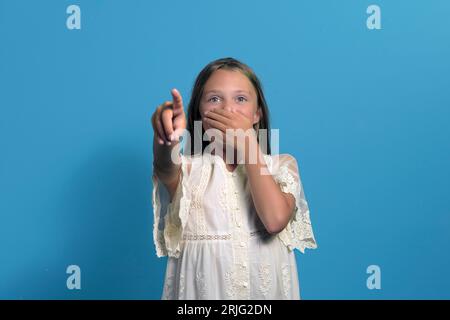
(298,233)
(169,218)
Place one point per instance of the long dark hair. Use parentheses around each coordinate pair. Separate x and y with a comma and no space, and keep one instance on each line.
(197,92)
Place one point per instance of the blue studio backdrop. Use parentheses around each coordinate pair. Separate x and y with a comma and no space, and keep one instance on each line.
(364,108)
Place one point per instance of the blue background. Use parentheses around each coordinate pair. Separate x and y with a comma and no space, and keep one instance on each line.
(365,112)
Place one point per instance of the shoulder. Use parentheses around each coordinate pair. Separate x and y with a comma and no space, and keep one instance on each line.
(282,159)
(283,165)
(286,157)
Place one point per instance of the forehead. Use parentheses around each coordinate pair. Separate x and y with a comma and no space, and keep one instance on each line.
(228,80)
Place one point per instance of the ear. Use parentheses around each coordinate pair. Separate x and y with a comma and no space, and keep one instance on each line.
(257,116)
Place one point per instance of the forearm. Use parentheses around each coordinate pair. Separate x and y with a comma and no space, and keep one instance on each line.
(165,168)
(273,207)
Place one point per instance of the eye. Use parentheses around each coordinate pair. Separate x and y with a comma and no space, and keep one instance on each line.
(214,99)
(241,98)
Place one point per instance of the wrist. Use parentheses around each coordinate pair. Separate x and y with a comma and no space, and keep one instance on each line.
(250,149)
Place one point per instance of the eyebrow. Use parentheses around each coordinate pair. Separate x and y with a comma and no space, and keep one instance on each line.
(236,91)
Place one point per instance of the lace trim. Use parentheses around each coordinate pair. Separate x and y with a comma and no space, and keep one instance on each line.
(158,237)
(169,287)
(197,201)
(181,286)
(230,289)
(194,237)
(223,200)
(201,285)
(265,279)
(228,236)
(167,240)
(240,281)
(286,275)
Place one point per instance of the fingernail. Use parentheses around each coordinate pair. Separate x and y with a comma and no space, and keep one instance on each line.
(169,143)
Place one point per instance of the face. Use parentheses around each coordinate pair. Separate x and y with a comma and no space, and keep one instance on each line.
(230,90)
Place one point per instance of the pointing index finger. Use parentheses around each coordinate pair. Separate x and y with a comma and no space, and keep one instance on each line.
(177,101)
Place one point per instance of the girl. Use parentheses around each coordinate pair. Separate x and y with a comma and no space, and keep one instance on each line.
(228,230)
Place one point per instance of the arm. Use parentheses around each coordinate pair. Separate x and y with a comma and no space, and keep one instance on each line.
(168,123)
(273,206)
(166,171)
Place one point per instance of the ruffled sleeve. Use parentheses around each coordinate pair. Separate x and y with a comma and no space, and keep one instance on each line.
(298,234)
(169,218)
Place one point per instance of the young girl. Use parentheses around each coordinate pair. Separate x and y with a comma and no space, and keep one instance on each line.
(228,230)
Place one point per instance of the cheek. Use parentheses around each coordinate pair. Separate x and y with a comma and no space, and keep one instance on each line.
(203,108)
(249,112)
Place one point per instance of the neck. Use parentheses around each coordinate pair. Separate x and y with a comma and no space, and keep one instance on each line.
(232,161)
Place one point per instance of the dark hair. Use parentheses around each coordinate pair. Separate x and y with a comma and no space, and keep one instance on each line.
(197,92)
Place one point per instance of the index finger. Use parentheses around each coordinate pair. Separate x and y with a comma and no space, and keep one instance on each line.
(177,101)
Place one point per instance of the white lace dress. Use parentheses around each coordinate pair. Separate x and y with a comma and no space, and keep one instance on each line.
(217,247)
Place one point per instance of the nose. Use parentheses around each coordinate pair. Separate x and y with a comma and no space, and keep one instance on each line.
(227,105)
